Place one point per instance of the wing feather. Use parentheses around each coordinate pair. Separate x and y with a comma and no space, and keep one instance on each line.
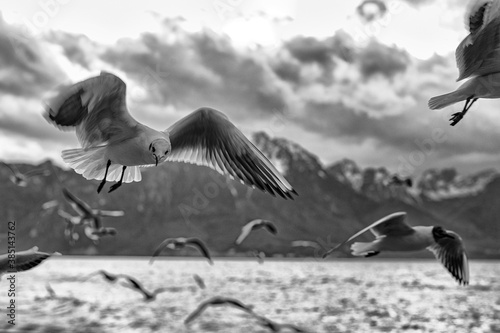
(96,107)
(451,253)
(226,150)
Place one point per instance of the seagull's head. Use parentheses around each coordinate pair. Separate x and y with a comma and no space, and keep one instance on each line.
(159,149)
(439,233)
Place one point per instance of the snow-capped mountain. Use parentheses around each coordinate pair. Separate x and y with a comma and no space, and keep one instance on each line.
(447,183)
(285,154)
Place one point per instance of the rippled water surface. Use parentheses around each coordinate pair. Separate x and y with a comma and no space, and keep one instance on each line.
(333,296)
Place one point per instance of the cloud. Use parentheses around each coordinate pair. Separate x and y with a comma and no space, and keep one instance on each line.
(189,70)
(377,58)
(77,48)
(27,67)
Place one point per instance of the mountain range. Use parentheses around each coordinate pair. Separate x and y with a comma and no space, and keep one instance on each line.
(176,200)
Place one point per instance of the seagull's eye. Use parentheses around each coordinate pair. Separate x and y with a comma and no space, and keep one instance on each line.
(166,152)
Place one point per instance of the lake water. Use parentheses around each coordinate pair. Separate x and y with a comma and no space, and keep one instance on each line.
(321,296)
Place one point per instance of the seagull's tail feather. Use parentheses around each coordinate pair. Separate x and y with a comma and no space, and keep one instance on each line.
(365,249)
(91,164)
(439,102)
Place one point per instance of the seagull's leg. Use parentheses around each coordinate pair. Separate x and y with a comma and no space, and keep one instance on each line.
(104,179)
(456,117)
(115,186)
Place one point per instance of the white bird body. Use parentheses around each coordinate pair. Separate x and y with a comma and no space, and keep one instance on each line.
(254,225)
(115,145)
(417,241)
(394,234)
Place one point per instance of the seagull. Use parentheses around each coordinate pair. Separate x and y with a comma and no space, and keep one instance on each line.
(254,225)
(276,327)
(22,261)
(477,58)
(115,145)
(394,234)
(259,255)
(217,301)
(21,179)
(85,211)
(91,217)
(199,281)
(305,243)
(129,282)
(180,243)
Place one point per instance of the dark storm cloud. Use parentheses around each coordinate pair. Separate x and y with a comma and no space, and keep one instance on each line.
(418,129)
(27,66)
(321,52)
(77,48)
(199,69)
(377,58)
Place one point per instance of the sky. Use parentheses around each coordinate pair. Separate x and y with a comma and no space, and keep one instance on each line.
(344,79)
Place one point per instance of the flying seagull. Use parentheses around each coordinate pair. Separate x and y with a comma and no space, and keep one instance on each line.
(477,58)
(129,282)
(394,234)
(21,179)
(115,145)
(254,225)
(218,301)
(180,243)
(90,217)
(71,222)
(23,260)
(277,327)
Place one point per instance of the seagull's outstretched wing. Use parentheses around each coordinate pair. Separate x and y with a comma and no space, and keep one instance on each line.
(207,137)
(97,108)
(80,206)
(159,249)
(24,260)
(12,168)
(218,300)
(451,253)
(198,244)
(270,227)
(393,225)
(478,54)
(245,231)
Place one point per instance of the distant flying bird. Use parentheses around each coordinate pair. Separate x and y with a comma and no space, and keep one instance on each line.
(21,179)
(180,243)
(394,234)
(129,282)
(50,291)
(305,243)
(71,222)
(218,301)
(115,145)
(477,58)
(276,327)
(254,225)
(91,217)
(399,181)
(24,260)
(259,255)
(199,281)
